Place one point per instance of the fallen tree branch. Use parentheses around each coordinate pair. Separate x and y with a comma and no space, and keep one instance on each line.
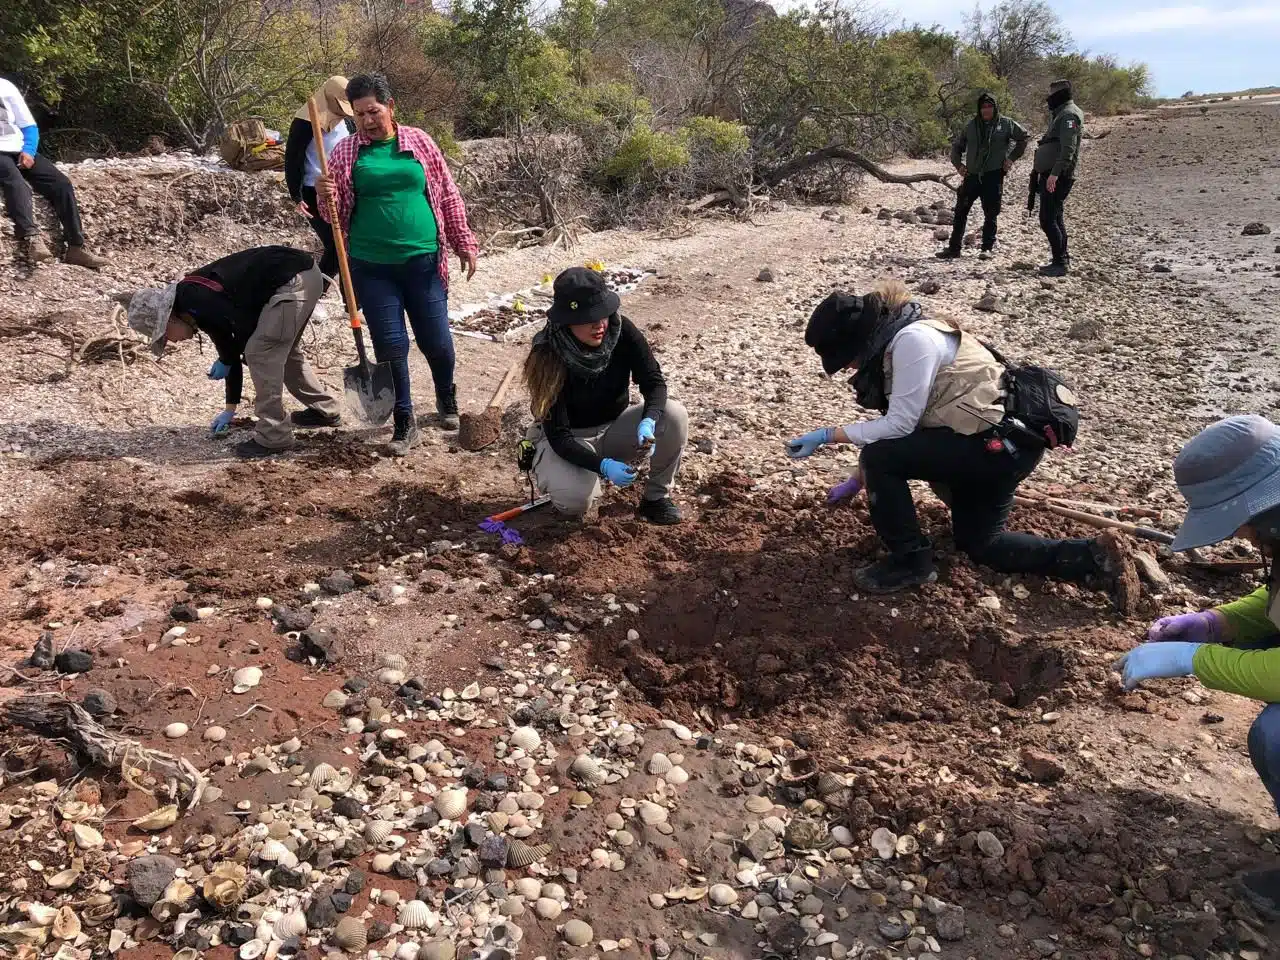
(800,164)
(57,718)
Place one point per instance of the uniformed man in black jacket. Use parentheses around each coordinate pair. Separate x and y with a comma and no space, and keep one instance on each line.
(1055,166)
(254,307)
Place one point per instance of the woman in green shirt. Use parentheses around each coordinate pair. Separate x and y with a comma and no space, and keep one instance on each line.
(400,209)
(1230,477)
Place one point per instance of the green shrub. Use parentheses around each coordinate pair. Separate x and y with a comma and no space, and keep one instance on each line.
(645,158)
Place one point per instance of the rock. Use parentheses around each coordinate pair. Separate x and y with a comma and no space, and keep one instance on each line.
(379,930)
(942,234)
(1255,229)
(1086,328)
(148,876)
(945,217)
(930,287)
(989,303)
(338,582)
(322,912)
(884,214)
(1149,569)
(785,934)
(810,906)
(577,934)
(355,882)
(833,216)
(951,924)
(765,276)
(341,901)
(894,929)
(493,851)
(990,844)
(42,656)
(183,613)
(289,620)
(758,845)
(1042,767)
(74,661)
(99,703)
(1044,948)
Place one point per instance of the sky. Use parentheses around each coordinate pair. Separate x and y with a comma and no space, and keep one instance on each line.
(1214,46)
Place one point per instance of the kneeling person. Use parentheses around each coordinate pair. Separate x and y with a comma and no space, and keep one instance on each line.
(579,375)
(254,306)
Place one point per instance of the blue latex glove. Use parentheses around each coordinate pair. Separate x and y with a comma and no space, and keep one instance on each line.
(808,445)
(219,370)
(1152,661)
(221,423)
(617,473)
(644,434)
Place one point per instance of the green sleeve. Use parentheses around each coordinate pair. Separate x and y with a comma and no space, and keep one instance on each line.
(1018,134)
(1070,129)
(1250,673)
(1247,619)
(958,145)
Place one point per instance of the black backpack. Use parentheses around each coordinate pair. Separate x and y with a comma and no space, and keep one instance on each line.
(1038,403)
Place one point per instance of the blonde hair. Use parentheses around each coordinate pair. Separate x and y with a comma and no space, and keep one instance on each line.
(544,375)
(894,295)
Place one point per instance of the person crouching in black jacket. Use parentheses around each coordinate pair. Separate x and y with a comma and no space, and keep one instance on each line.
(254,306)
(579,373)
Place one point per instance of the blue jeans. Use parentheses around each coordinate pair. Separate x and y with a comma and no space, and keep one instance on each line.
(1264,735)
(388,291)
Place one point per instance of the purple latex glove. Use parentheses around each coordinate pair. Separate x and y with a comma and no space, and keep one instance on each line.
(1207,626)
(845,491)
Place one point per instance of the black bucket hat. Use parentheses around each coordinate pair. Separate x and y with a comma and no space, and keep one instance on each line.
(581,296)
(841,328)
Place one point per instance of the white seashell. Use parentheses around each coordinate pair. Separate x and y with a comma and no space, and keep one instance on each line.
(393,661)
(175,730)
(586,770)
(276,853)
(651,813)
(350,935)
(451,802)
(407,951)
(659,764)
(264,603)
(66,925)
(322,774)
(252,949)
(526,738)
(245,679)
(87,838)
(292,924)
(383,862)
(471,691)
(41,914)
(677,776)
(722,895)
(529,887)
(215,734)
(392,678)
(290,746)
(416,915)
(885,842)
(375,831)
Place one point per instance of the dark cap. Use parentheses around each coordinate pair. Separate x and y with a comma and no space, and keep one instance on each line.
(1060,85)
(581,296)
(841,327)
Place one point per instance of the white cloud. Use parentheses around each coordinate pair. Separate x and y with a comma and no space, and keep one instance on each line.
(1160,19)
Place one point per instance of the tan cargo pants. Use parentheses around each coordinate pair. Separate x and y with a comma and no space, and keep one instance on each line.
(275,361)
(573,490)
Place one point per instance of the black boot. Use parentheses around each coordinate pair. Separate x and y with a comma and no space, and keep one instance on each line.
(311,419)
(948,253)
(662,512)
(897,572)
(1262,889)
(447,408)
(405,435)
(1058,268)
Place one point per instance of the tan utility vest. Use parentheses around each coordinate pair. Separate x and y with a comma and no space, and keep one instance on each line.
(966,394)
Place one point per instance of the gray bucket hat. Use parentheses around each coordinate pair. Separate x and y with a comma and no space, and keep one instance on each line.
(149,312)
(1228,473)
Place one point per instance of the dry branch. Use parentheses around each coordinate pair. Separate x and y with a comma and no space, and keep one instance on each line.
(799,165)
(58,719)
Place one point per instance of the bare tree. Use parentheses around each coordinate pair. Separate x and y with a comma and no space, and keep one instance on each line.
(1015,35)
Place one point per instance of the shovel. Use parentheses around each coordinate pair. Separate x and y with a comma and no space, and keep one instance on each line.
(368,387)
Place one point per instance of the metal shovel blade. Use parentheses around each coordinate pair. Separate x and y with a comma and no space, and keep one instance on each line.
(369,391)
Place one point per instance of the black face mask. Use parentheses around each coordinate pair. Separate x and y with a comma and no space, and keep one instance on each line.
(1058,98)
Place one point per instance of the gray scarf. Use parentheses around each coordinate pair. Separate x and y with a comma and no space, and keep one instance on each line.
(582,361)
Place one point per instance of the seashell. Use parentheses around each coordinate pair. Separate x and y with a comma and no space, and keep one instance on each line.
(41,914)
(375,831)
(907,845)
(659,764)
(576,933)
(393,661)
(175,730)
(451,802)
(651,813)
(407,951)
(722,895)
(392,678)
(291,924)
(187,953)
(830,783)
(438,950)
(64,879)
(587,770)
(322,774)
(87,838)
(99,909)
(498,821)
(277,854)
(546,908)
(246,678)
(215,733)
(470,692)
(580,800)
(290,746)
(526,738)
(224,887)
(521,854)
(383,862)
(25,936)
(350,935)
(677,776)
(76,811)
(804,834)
(416,915)
(884,842)
(252,949)
(162,818)
(799,768)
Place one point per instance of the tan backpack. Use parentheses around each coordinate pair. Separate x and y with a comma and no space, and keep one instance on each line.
(246,146)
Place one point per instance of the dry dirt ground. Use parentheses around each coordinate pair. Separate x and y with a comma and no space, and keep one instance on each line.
(976,720)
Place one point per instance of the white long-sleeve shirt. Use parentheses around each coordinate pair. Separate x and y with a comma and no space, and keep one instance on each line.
(14,118)
(916,355)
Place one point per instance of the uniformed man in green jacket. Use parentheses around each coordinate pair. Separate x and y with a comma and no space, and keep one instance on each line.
(982,154)
(1230,477)
(1055,163)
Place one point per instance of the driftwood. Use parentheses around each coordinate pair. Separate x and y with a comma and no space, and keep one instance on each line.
(58,719)
(800,164)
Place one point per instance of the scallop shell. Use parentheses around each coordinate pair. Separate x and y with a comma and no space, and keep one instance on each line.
(224,886)
(586,770)
(415,915)
(659,764)
(498,821)
(252,949)
(830,783)
(322,774)
(521,854)
(276,853)
(375,831)
(291,924)
(526,738)
(451,802)
(393,661)
(350,935)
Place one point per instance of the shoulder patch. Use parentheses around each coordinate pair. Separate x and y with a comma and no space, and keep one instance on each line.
(1071,122)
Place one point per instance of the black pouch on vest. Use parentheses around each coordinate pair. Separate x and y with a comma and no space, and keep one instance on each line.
(1045,408)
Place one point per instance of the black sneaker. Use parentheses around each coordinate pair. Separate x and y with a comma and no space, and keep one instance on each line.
(405,435)
(447,408)
(1056,269)
(1262,889)
(311,418)
(895,573)
(663,513)
(948,254)
(253,450)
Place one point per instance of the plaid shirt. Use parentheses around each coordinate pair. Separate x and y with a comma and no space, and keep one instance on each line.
(442,192)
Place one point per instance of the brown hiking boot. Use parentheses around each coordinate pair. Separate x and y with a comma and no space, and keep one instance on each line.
(1115,563)
(81,257)
(35,250)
